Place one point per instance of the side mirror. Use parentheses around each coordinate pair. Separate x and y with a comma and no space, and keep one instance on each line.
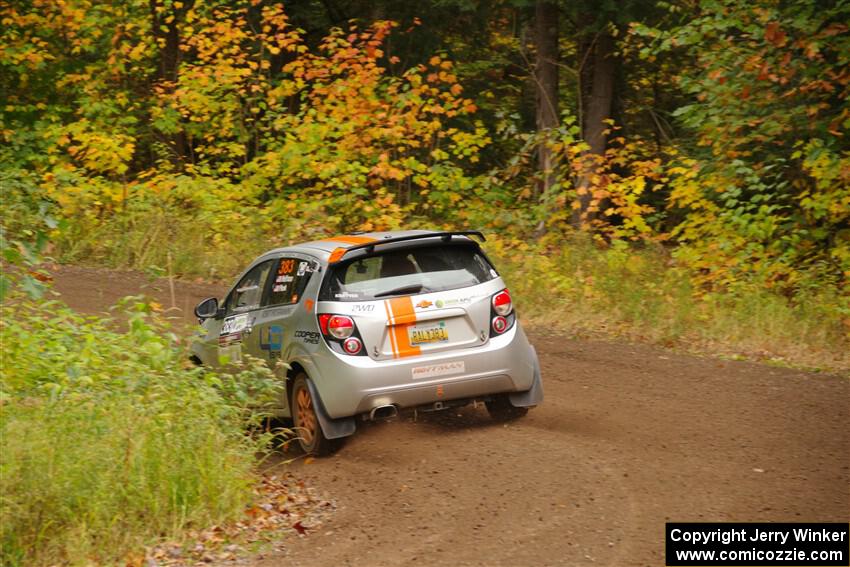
(207,308)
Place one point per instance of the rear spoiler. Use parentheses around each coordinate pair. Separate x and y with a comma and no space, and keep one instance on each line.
(369,247)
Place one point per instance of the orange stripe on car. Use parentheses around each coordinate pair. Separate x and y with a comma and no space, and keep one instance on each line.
(337,255)
(403,315)
(350,239)
(402,308)
(390,320)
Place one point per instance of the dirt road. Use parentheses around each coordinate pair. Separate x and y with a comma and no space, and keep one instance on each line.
(629,437)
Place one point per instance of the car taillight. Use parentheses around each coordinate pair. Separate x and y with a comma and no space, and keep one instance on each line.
(502,316)
(323,322)
(352,345)
(341,334)
(340,326)
(502,304)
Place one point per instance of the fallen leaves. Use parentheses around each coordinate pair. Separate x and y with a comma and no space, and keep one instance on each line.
(284,506)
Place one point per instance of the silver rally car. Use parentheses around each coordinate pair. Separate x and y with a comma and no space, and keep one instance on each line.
(370,324)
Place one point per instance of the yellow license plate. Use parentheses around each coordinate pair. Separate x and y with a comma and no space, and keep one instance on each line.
(422,335)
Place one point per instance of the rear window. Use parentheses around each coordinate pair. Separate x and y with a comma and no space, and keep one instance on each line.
(406,272)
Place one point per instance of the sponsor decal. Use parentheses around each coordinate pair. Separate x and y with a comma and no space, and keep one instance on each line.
(442,369)
(230,340)
(449,302)
(309,337)
(308,305)
(271,340)
(234,324)
(227,340)
(302,269)
(284,279)
(286,267)
(346,295)
(424,304)
(279,288)
(276,312)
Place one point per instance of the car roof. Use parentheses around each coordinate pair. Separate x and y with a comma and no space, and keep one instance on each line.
(326,246)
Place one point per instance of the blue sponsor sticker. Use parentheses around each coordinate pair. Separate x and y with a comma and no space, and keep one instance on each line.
(271,339)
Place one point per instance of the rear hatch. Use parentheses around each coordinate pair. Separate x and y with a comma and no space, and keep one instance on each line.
(416,300)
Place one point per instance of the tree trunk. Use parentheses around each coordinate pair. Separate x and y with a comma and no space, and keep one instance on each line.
(546,82)
(168,68)
(596,109)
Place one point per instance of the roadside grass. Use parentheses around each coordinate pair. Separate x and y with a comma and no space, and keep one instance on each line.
(639,294)
(164,240)
(111,442)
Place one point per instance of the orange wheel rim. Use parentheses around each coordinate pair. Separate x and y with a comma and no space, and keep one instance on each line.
(305,416)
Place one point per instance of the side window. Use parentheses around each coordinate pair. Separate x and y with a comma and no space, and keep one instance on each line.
(249,291)
(290,279)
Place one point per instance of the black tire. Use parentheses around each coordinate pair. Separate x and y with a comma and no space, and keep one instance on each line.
(500,409)
(305,421)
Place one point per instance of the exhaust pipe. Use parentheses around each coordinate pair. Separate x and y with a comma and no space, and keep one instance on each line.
(383,412)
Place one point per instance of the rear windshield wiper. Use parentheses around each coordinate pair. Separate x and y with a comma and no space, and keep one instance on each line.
(413,288)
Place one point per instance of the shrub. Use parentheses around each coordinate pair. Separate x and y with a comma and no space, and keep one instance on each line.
(109,440)
(574,285)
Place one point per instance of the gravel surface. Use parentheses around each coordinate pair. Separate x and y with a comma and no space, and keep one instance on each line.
(628,438)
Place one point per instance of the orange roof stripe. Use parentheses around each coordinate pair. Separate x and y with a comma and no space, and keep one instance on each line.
(350,239)
(337,255)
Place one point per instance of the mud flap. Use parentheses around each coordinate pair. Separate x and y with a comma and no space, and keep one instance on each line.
(534,395)
(332,428)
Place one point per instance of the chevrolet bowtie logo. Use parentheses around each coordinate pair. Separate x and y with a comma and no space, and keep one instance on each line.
(424,304)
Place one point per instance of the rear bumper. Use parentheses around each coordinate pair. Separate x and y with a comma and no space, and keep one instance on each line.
(409,397)
(350,386)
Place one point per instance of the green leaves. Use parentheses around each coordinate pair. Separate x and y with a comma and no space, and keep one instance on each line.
(116,437)
(766,97)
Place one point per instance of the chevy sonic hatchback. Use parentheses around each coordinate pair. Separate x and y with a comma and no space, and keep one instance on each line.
(371,324)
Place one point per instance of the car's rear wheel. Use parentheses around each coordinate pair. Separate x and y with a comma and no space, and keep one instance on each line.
(310,436)
(500,409)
